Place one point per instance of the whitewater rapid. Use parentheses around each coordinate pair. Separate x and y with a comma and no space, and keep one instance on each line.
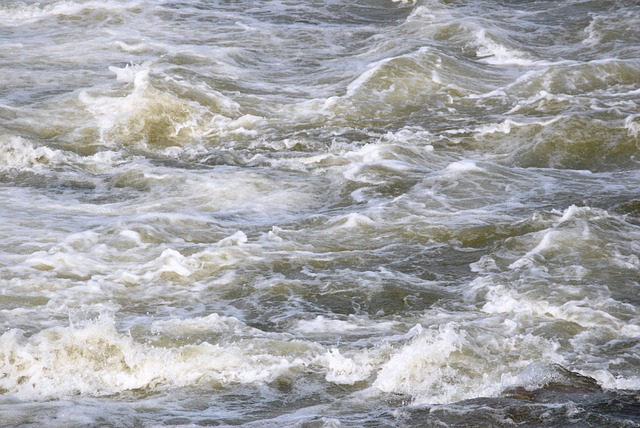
(319,213)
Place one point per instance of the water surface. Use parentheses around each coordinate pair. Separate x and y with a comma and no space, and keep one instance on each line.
(312,213)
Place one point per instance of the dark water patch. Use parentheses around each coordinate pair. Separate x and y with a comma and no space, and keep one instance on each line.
(606,408)
(631,210)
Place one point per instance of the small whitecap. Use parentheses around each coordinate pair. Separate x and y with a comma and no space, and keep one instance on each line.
(321,325)
(345,370)
(464,166)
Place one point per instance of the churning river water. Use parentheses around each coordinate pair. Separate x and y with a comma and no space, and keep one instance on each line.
(319,213)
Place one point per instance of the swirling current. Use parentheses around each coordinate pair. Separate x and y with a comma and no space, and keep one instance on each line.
(319,213)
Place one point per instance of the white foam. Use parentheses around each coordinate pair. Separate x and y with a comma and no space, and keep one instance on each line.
(352,220)
(464,166)
(504,127)
(558,235)
(138,74)
(345,370)
(132,235)
(632,123)
(537,375)
(70,260)
(164,236)
(546,242)
(94,359)
(364,161)
(20,154)
(246,125)
(492,52)
(238,238)
(608,380)
(132,48)
(593,35)
(413,371)
(449,363)
(540,99)
(170,261)
(588,313)
(210,322)
(33,13)
(146,115)
(572,212)
(630,261)
(322,325)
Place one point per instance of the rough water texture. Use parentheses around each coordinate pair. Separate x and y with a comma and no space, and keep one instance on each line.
(319,213)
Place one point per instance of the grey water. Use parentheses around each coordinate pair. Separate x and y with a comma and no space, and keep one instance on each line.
(319,213)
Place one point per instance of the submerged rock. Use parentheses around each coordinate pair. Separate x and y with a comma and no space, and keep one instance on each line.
(543,383)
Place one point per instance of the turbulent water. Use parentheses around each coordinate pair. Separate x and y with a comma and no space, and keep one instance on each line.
(319,213)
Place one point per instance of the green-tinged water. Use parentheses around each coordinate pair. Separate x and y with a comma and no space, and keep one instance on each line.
(319,213)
